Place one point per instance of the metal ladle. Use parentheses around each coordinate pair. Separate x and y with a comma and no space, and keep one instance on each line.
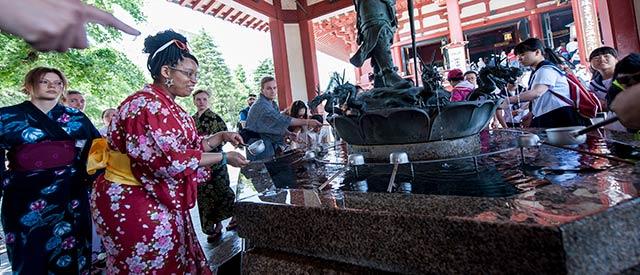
(309,155)
(527,141)
(396,158)
(574,135)
(356,160)
(255,148)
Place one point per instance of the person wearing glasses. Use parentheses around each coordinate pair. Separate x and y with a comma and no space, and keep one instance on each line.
(155,159)
(624,95)
(45,209)
(298,109)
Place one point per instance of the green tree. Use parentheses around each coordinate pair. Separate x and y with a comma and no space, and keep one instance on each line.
(101,34)
(240,76)
(104,75)
(265,68)
(215,77)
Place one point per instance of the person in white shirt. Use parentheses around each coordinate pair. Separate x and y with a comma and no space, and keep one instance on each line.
(547,87)
(512,117)
(574,53)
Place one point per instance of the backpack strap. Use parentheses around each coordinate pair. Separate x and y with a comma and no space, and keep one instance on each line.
(555,68)
(562,73)
(561,97)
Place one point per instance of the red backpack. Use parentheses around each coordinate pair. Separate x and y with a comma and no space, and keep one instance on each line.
(583,101)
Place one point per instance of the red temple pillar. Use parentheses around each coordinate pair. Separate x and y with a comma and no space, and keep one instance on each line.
(307,38)
(396,52)
(618,22)
(587,28)
(605,23)
(456,49)
(455,24)
(280,62)
(535,25)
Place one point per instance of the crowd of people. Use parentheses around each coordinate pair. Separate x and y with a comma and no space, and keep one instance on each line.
(546,100)
(132,182)
(153,164)
(136,179)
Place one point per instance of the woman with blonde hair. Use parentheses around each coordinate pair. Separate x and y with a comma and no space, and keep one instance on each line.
(45,208)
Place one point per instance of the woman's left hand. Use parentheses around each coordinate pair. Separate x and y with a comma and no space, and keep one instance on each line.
(232,137)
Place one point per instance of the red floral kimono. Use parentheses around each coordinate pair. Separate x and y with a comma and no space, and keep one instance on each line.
(147,229)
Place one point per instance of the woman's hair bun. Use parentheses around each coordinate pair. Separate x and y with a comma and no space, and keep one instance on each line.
(153,42)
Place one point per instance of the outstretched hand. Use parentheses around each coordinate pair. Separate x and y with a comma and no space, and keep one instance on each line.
(232,137)
(313,123)
(236,159)
(58,25)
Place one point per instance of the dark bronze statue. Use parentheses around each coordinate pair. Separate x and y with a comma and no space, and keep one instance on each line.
(395,112)
(376,25)
(433,93)
(492,79)
(340,97)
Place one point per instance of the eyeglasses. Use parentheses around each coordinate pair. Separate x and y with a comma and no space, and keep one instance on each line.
(627,80)
(188,73)
(56,83)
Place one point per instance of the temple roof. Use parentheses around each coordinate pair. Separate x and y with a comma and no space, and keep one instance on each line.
(334,20)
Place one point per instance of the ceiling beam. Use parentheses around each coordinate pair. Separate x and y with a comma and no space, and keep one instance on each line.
(195,3)
(242,19)
(259,6)
(326,7)
(207,7)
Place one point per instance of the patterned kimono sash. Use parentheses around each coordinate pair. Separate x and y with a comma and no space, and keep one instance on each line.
(117,165)
(58,152)
(42,155)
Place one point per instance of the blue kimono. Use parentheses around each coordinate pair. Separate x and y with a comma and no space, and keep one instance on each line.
(265,119)
(45,207)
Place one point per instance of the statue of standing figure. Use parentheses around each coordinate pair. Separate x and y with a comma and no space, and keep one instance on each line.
(376,25)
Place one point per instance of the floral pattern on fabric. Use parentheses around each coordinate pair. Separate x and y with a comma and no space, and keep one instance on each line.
(45,212)
(215,198)
(147,229)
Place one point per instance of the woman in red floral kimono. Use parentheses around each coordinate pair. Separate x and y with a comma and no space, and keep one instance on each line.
(154,162)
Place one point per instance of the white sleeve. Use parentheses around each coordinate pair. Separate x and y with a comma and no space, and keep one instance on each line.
(545,76)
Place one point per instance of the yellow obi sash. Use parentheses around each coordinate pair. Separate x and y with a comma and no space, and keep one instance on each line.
(118,165)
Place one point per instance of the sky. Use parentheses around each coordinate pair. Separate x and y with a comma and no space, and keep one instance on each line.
(238,45)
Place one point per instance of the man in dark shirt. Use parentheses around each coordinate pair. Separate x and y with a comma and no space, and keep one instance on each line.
(245,112)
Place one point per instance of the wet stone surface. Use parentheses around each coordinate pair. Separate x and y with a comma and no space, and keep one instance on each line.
(560,210)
